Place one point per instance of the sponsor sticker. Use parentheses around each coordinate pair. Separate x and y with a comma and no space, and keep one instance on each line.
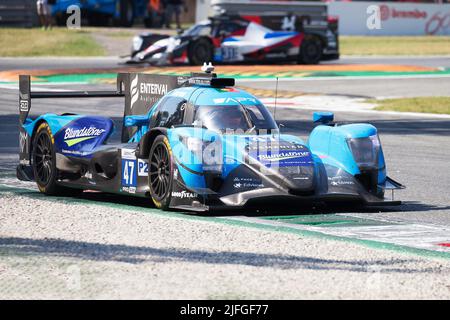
(128,154)
(23,141)
(340,181)
(247,185)
(184,194)
(142,168)
(146,91)
(24,105)
(129,189)
(285,158)
(74,136)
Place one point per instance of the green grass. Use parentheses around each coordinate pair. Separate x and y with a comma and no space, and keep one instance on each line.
(407,45)
(439,105)
(37,42)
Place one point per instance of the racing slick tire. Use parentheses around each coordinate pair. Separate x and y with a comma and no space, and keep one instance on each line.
(200,51)
(44,163)
(126,15)
(310,51)
(160,172)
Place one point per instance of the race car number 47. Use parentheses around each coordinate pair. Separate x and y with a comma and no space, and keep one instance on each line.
(129,173)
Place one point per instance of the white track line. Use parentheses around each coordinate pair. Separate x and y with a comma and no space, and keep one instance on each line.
(410,235)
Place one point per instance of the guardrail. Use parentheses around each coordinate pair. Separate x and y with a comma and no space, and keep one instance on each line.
(18,13)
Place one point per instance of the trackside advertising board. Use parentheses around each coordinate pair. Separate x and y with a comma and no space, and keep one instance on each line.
(358,18)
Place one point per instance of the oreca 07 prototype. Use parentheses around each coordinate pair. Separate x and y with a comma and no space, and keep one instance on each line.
(198,143)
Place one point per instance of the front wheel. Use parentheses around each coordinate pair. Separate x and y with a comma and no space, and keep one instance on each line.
(310,51)
(160,173)
(200,51)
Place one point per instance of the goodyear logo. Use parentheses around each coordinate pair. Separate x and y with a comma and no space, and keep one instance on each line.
(74,136)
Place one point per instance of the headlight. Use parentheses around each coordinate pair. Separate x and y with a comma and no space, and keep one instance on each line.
(365,151)
(137,43)
(194,145)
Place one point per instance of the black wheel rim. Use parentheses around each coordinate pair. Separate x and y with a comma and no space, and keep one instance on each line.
(312,51)
(43,159)
(159,172)
(201,53)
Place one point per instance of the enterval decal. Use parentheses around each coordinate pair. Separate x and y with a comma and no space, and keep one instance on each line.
(134,93)
(145,91)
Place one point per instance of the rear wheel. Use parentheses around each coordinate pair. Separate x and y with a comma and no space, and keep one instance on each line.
(310,51)
(44,163)
(200,51)
(160,173)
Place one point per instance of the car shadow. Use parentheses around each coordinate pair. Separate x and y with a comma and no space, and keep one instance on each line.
(269,209)
(51,247)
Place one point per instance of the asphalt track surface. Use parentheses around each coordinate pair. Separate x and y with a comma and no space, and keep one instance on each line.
(372,87)
(179,256)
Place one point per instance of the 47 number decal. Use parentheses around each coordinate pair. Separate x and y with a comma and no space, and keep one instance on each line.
(129,173)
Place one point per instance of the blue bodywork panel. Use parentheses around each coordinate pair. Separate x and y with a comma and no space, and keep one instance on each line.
(75,135)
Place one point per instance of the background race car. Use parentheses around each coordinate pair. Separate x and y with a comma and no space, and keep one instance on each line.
(235,38)
(197,143)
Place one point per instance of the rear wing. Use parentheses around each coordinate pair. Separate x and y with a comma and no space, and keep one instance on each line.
(141,91)
(25,98)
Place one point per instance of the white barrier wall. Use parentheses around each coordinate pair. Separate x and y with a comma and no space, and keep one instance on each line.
(203,10)
(394,18)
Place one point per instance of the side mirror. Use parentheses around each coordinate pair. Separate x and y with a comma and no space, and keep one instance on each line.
(135,121)
(323,117)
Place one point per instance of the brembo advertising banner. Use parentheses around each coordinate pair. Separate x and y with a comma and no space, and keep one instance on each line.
(388,18)
(142,91)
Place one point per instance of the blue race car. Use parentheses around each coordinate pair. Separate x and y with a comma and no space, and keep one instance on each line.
(198,143)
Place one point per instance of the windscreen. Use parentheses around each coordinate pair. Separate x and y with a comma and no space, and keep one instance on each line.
(198,30)
(234,117)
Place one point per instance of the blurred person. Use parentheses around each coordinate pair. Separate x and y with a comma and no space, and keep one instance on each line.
(156,12)
(44,12)
(174,6)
